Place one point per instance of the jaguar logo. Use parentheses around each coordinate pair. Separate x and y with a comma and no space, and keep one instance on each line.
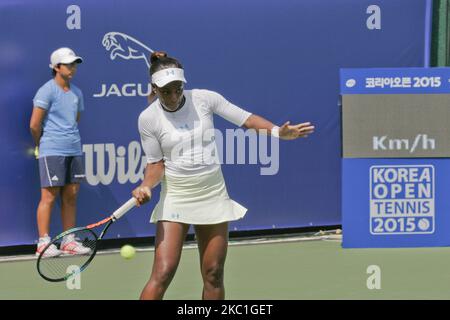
(126,47)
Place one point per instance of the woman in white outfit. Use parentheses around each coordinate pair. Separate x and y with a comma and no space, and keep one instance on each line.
(176,135)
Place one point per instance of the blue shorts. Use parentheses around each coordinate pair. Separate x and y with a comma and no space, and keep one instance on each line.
(57,171)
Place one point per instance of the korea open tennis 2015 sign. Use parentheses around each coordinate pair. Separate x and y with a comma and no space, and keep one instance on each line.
(402,200)
(395,166)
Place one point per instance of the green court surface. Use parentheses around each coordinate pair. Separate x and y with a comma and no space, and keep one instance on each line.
(292,270)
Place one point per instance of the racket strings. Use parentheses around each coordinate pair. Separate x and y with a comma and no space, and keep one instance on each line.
(78,247)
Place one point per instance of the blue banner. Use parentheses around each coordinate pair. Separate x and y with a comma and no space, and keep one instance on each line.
(278,58)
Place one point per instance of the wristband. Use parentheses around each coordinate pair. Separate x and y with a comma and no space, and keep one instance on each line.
(275,132)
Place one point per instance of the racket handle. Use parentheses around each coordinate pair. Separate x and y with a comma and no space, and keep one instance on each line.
(127,206)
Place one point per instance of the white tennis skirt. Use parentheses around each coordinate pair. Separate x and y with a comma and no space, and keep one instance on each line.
(201,199)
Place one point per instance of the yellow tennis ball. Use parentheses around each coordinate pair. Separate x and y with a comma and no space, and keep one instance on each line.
(127,251)
(36,152)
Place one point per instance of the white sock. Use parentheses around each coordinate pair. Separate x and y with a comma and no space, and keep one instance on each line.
(45,238)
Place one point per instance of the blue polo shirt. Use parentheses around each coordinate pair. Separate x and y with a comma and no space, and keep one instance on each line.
(60,130)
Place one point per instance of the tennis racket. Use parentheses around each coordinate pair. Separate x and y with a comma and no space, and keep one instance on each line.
(62,267)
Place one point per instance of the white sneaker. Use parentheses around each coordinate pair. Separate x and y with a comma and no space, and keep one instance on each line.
(71,245)
(51,251)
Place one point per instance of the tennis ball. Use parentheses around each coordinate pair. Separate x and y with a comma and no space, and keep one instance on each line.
(36,152)
(127,251)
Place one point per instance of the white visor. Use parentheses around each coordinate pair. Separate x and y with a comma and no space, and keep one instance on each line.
(165,76)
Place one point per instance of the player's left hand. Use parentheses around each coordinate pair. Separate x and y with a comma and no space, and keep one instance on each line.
(291,132)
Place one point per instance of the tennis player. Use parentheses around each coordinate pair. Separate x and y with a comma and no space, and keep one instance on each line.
(193,190)
(54,127)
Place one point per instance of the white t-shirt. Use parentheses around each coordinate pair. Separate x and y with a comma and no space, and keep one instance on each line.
(185,139)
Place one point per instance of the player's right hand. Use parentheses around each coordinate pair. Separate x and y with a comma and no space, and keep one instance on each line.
(142,194)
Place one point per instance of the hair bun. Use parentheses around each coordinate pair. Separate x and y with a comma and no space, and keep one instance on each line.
(159,60)
(156,55)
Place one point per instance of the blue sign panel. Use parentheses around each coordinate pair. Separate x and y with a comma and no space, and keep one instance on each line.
(400,201)
(395,202)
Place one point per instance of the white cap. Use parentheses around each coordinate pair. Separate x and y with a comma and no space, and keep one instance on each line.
(63,55)
(165,76)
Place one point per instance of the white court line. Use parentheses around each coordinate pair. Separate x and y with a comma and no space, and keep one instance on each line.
(325,236)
